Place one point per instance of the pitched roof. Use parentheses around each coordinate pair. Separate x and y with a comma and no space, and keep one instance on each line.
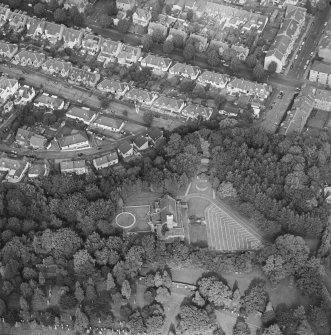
(33,56)
(185,69)
(49,100)
(72,165)
(250,86)
(6,83)
(52,28)
(7,47)
(38,141)
(143,13)
(155,133)
(90,41)
(160,62)
(82,113)
(15,166)
(140,140)
(33,24)
(321,67)
(193,110)
(37,169)
(108,84)
(109,47)
(168,103)
(213,77)
(168,206)
(124,147)
(22,135)
(58,65)
(72,139)
(107,122)
(76,73)
(139,94)
(110,157)
(71,35)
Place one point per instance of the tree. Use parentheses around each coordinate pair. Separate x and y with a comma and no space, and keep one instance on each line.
(235,64)
(162,295)
(110,283)
(60,15)
(168,46)
(81,320)
(322,5)
(256,297)
(189,15)
(213,58)
(104,103)
(53,5)
(39,9)
(123,26)
(148,117)
(2,307)
(126,289)
(178,41)
(79,292)
(273,330)
(188,52)
(187,85)
(105,20)
(241,327)
(198,300)
(14,3)
(272,67)
(259,72)
(136,324)
(83,263)
(214,290)
(158,280)
(193,321)
(158,36)
(154,324)
(147,42)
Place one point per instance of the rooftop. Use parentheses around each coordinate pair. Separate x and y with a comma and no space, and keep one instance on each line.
(82,113)
(105,159)
(72,139)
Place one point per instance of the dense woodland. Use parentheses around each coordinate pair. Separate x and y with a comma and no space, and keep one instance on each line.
(64,262)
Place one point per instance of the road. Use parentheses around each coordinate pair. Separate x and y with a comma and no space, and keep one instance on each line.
(309,47)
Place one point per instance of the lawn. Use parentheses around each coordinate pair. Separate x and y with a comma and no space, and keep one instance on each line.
(143,198)
(141,214)
(197,207)
(198,234)
(133,128)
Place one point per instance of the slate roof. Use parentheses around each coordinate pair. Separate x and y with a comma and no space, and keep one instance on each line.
(105,159)
(140,140)
(82,113)
(124,147)
(72,139)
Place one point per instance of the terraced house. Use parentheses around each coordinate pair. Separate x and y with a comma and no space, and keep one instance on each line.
(141,96)
(4,13)
(49,101)
(157,63)
(167,105)
(53,32)
(214,79)
(86,78)
(17,20)
(185,70)
(29,58)
(72,37)
(106,123)
(286,37)
(129,55)
(105,161)
(35,27)
(109,50)
(260,91)
(194,111)
(113,86)
(7,49)
(91,44)
(8,87)
(56,66)
(83,114)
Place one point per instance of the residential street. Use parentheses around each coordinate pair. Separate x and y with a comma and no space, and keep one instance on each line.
(309,47)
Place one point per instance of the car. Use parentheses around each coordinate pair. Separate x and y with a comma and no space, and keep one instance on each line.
(296,57)
(305,67)
(325,24)
(303,42)
(307,61)
(80,154)
(312,53)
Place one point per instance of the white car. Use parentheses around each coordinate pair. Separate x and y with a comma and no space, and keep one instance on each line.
(312,53)
(296,56)
(305,67)
(325,24)
(307,62)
